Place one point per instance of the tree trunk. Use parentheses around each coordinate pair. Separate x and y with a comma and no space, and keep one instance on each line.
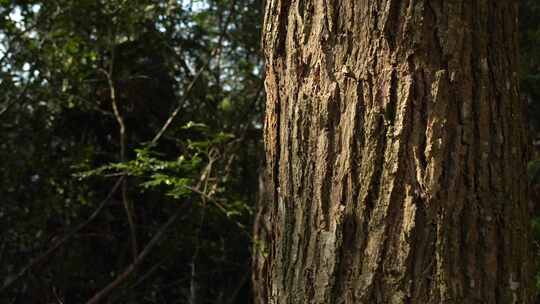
(396,150)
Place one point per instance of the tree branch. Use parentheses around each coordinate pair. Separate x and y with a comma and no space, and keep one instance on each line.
(138,260)
(120,120)
(62,241)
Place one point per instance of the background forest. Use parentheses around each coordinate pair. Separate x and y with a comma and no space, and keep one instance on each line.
(130,148)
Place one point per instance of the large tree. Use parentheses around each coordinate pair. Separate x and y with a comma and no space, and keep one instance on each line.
(396,150)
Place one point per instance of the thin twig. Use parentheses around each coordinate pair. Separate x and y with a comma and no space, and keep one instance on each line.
(208,197)
(120,120)
(62,241)
(215,52)
(141,279)
(193,285)
(138,260)
(243,280)
(180,104)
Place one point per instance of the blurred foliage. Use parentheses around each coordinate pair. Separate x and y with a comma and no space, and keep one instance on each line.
(530,60)
(530,90)
(61,147)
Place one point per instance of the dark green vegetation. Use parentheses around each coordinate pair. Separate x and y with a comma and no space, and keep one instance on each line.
(81,200)
(86,86)
(530,90)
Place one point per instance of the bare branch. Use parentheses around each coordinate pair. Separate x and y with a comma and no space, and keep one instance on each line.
(215,53)
(138,260)
(62,241)
(179,107)
(120,120)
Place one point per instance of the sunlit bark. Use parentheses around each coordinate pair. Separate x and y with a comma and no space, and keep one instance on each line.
(396,154)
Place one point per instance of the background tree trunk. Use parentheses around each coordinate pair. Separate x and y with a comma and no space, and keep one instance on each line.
(396,147)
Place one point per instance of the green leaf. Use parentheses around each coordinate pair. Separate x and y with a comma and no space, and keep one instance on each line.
(191,125)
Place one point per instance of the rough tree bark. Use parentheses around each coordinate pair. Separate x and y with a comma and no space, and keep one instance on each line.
(396,147)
